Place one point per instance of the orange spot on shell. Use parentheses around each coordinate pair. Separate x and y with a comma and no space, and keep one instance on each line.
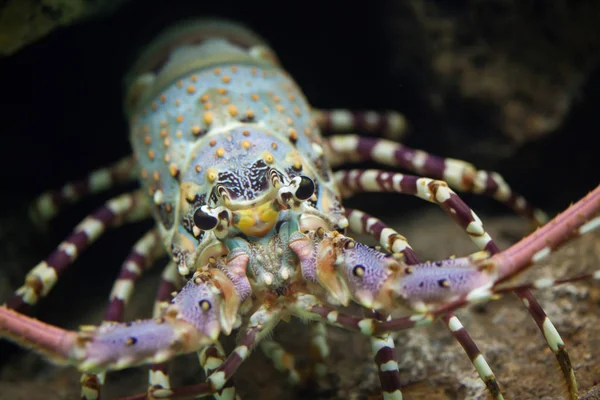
(255,97)
(222,91)
(212,143)
(220,152)
(232,109)
(234,68)
(151,154)
(226,79)
(217,71)
(293,135)
(208,106)
(154,106)
(208,118)
(156,175)
(179,119)
(246,133)
(163,98)
(246,144)
(194,78)
(163,133)
(198,168)
(191,89)
(274,146)
(147,139)
(204,98)
(167,142)
(196,129)
(173,170)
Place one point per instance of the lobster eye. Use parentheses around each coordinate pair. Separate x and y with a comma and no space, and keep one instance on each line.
(204,221)
(306,188)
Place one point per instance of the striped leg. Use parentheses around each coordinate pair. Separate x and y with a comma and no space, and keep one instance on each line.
(261,324)
(171,282)
(142,256)
(211,358)
(389,124)
(362,223)
(282,360)
(459,174)
(437,192)
(552,337)
(40,280)
(45,207)
(359,223)
(319,349)
(387,367)
(467,343)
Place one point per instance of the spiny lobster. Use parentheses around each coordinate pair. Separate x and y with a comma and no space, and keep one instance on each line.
(238,178)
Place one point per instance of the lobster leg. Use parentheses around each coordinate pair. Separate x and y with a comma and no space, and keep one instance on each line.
(282,360)
(459,174)
(211,358)
(389,124)
(42,278)
(438,192)
(468,344)
(458,330)
(158,377)
(143,254)
(362,223)
(319,349)
(47,205)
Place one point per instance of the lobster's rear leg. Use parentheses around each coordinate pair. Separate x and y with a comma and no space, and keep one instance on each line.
(47,205)
(361,222)
(353,181)
(459,174)
(41,279)
(142,256)
(389,124)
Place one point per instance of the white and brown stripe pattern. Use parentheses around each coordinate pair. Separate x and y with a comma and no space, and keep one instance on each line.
(468,344)
(42,278)
(282,360)
(211,358)
(459,174)
(433,191)
(362,223)
(319,349)
(158,376)
(46,206)
(144,253)
(388,124)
